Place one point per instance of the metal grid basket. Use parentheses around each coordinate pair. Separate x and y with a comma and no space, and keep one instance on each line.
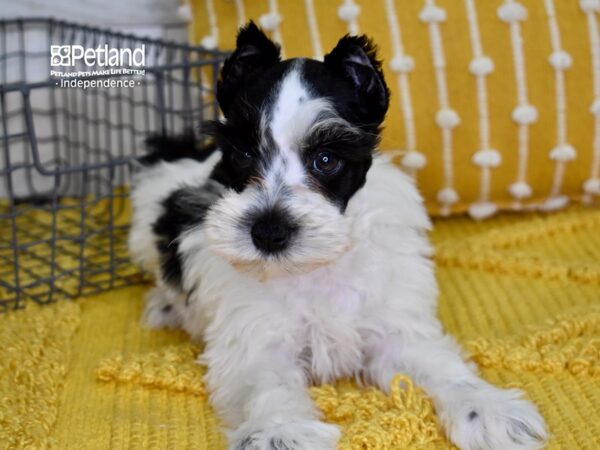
(66,154)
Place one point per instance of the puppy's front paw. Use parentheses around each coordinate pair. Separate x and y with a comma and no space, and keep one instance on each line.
(299,435)
(495,419)
(161,309)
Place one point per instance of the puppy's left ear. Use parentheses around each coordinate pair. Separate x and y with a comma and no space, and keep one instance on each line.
(355,59)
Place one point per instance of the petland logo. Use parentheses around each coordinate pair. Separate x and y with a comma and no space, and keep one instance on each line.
(101,63)
(69,55)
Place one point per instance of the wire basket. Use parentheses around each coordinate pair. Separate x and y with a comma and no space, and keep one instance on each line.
(67,153)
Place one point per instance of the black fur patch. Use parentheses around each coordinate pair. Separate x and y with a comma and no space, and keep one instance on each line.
(172,148)
(355,60)
(182,210)
(233,139)
(254,53)
(241,132)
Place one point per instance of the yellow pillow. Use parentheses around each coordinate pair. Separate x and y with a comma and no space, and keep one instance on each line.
(496,104)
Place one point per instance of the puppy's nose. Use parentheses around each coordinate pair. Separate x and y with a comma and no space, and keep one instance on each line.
(272,231)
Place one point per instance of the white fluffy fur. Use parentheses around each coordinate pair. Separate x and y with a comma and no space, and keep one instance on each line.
(367,309)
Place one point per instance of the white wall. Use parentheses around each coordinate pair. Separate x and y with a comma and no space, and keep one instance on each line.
(123,13)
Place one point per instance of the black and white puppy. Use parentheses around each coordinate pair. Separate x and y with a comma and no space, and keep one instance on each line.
(297,255)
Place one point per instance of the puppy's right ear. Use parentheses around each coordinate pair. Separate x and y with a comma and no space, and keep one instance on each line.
(254,53)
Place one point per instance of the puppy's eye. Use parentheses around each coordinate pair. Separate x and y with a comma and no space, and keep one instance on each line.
(326,163)
(241,160)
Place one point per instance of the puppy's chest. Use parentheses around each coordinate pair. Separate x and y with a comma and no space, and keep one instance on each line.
(330,320)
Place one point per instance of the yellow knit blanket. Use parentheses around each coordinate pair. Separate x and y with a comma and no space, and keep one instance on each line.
(522,294)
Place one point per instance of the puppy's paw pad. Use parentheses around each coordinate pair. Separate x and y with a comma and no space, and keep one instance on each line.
(160,310)
(495,419)
(305,435)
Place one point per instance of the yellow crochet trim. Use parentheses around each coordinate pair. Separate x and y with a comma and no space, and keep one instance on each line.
(34,356)
(568,344)
(370,418)
(405,418)
(173,368)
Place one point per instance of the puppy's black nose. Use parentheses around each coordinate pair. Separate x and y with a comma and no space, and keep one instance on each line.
(272,231)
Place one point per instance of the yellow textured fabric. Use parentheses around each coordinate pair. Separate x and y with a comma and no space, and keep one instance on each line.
(520,292)
(562,94)
(35,347)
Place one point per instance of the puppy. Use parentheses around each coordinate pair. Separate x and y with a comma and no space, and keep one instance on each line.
(297,255)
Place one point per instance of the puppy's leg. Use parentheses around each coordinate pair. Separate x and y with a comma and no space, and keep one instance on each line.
(475,414)
(263,397)
(163,307)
